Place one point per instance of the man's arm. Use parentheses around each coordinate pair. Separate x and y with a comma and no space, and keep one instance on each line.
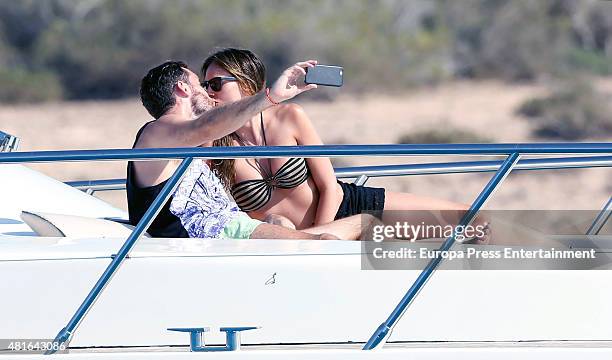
(219,121)
(223,120)
(213,124)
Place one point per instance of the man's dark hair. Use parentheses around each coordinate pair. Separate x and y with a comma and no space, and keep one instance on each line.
(157,87)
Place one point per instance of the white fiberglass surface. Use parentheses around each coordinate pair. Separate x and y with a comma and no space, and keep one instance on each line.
(46,248)
(297,299)
(23,189)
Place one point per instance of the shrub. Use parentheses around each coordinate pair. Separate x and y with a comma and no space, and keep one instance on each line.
(594,62)
(20,86)
(446,135)
(573,111)
(512,40)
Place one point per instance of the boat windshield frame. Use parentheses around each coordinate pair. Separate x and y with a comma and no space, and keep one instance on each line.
(8,142)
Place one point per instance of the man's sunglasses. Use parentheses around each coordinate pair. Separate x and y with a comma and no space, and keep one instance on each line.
(216,83)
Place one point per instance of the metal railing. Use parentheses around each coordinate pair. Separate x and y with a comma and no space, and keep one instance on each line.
(502,169)
(92,186)
(361,174)
(8,142)
(307,151)
(601,219)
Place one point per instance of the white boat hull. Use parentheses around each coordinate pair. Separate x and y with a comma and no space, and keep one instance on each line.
(299,292)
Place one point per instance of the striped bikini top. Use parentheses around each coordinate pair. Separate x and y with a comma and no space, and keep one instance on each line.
(251,195)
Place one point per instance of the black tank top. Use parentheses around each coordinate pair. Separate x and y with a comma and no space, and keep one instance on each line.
(166,224)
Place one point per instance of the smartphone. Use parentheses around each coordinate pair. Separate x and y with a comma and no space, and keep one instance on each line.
(324,75)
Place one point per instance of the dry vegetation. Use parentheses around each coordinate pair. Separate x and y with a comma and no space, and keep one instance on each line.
(487,109)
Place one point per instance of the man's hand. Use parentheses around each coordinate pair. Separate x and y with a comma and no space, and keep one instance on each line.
(291,82)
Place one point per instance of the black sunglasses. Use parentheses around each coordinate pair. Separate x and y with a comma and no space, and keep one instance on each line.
(216,83)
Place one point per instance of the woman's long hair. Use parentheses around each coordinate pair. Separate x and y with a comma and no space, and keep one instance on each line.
(250,72)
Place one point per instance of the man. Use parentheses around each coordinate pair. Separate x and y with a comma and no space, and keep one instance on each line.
(186,117)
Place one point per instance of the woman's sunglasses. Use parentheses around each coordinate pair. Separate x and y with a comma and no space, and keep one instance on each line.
(216,83)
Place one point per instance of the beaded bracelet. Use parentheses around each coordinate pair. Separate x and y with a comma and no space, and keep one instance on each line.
(269,97)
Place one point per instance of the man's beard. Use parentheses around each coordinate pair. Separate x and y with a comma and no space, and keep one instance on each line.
(200,103)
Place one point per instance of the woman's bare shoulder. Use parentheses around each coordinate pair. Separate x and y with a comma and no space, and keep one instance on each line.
(289,114)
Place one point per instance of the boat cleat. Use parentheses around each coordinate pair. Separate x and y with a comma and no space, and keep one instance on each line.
(232,337)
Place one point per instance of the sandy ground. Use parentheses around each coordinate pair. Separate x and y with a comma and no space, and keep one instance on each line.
(485,108)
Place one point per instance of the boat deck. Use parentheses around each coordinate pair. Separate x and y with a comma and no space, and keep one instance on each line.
(392,350)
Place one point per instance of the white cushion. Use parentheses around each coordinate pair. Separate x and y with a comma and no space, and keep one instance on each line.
(59,225)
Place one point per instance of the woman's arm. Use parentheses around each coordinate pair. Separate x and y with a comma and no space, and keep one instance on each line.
(222,120)
(321,168)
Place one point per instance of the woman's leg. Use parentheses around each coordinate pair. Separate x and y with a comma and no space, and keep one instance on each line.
(349,228)
(415,210)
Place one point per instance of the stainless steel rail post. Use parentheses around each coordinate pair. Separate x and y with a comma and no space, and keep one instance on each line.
(601,219)
(384,330)
(65,333)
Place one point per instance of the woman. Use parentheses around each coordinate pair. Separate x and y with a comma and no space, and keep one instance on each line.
(305,191)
